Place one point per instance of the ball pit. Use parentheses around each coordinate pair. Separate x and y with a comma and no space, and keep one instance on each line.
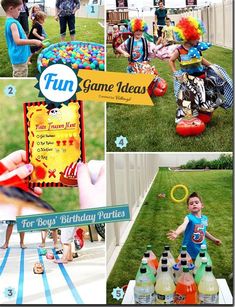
(80,55)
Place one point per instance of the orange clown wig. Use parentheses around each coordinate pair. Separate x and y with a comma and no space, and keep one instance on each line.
(189,28)
(137,24)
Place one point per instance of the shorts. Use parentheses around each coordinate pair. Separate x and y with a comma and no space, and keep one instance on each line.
(9,222)
(67,235)
(64,20)
(20,70)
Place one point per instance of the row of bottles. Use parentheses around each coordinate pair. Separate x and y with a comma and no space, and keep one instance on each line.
(169,282)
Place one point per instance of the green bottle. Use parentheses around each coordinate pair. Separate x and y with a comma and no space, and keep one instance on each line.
(203,250)
(201,270)
(149,271)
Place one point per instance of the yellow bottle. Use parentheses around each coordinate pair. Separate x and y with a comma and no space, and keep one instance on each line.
(165,287)
(208,288)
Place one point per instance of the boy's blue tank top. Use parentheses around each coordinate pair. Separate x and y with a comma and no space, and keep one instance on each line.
(194,235)
(17,54)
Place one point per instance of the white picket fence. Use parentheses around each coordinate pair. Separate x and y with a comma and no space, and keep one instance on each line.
(218,20)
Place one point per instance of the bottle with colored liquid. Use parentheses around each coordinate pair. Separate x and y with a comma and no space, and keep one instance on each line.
(165,254)
(149,271)
(153,257)
(208,288)
(178,269)
(186,289)
(144,289)
(171,259)
(201,270)
(188,257)
(150,263)
(162,263)
(164,288)
(204,250)
(198,261)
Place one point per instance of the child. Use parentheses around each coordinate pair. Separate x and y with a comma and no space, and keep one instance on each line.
(10,225)
(137,49)
(34,9)
(37,30)
(66,238)
(117,40)
(44,233)
(199,87)
(17,42)
(194,227)
(167,37)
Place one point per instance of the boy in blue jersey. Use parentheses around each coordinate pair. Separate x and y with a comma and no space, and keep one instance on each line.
(194,227)
(17,41)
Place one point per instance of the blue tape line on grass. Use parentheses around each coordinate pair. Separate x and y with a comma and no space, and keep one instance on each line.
(4,260)
(45,282)
(19,299)
(69,281)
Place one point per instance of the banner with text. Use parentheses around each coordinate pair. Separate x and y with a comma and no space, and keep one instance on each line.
(110,214)
(115,87)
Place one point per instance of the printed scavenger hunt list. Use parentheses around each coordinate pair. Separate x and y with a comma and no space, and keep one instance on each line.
(54,142)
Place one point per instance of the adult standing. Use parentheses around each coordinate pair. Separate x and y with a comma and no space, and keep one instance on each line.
(65,13)
(23,17)
(160,16)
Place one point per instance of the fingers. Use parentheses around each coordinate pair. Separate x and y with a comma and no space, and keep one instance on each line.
(22,172)
(37,191)
(83,176)
(14,159)
(101,177)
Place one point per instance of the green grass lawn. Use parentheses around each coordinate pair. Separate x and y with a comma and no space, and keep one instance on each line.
(87,30)
(12,135)
(158,216)
(153,128)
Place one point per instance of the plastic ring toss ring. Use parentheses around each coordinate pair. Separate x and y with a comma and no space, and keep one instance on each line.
(179,186)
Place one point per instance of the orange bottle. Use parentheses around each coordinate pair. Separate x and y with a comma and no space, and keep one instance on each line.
(153,257)
(186,289)
(182,253)
(150,262)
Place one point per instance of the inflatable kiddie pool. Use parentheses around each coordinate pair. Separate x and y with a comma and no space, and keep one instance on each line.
(80,55)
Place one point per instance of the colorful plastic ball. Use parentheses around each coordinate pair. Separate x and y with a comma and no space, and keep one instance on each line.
(79,53)
(93,66)
(75,66)
(101,66)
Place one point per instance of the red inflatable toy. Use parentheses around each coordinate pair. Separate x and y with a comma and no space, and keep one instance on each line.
(78,238)
(158,87)
(190,127)
(205,116)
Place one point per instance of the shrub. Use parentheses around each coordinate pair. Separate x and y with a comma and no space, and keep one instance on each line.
(225,161)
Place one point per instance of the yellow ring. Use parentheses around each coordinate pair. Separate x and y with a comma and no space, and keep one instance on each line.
(182,199)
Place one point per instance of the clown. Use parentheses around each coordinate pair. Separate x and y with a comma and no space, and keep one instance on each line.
(139,51)
(136,48)
(199,86)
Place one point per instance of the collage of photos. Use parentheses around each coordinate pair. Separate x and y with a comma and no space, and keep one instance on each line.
(116,202)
